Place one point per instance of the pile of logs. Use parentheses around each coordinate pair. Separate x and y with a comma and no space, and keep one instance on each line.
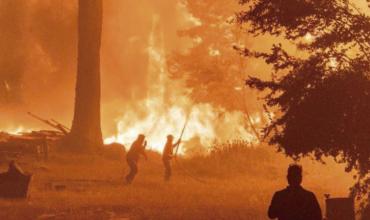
(35,142)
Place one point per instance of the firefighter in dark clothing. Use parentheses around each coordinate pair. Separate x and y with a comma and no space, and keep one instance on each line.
(168,155)
(294,202)
(133,155)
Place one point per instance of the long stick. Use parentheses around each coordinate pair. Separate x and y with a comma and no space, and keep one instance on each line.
(56,122)
(187,173)
(182,133)
(51,123)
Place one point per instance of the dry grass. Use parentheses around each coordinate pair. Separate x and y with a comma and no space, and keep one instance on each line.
(238,185)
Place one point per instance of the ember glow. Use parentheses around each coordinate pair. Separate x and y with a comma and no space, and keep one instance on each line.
(157,123)
(309,38)
(17,130)
(333,62)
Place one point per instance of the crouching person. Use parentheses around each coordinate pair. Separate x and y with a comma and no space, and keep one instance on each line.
(137,149)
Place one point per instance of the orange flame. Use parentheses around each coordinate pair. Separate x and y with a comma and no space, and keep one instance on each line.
(163,115)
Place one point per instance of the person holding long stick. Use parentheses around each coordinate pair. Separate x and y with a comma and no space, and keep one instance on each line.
(168,155)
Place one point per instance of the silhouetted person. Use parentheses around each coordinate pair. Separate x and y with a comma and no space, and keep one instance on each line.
(14,183)
(14,170)
(133,155)
(168,155)
(294,202)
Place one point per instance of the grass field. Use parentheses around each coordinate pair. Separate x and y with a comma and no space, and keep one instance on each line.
(236,183)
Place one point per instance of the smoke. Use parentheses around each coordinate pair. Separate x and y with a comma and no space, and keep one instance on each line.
(38,71)
(39,49)
(126,56)
(13,49)
(38,53)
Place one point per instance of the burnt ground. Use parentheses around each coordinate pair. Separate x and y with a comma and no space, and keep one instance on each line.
(218,187)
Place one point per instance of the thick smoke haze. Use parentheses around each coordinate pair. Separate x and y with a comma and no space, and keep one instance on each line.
(39,48)
(127,28)
(39,65)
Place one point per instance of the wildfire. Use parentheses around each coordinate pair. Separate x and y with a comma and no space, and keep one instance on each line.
(166,110)
(204,122)
(17,130)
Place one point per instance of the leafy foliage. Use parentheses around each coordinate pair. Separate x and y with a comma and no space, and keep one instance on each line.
(210,67)
(321,98)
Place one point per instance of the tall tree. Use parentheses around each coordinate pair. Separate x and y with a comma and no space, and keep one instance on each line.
(321,97)
(86,127)
(211,67)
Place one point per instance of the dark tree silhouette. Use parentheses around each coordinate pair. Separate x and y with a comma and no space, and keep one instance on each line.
(321,98)
(86,128)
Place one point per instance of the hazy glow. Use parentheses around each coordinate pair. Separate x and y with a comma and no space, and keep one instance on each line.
(309,37)
(214,52)
(7,86)
(333,63)
(198,40)
(18,130)
(137,95)
(166,109)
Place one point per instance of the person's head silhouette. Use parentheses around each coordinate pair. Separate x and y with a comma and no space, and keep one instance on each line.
(140,138)
(170,138)
(294,175)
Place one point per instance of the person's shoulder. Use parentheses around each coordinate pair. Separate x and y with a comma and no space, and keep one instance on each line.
(306,190)
(308,193)
(281,192)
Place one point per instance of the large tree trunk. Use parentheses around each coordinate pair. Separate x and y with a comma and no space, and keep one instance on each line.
(86,129)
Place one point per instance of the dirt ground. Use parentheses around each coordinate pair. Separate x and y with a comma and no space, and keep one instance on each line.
(230,186)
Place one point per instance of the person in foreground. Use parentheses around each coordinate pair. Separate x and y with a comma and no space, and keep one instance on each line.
(294,202)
